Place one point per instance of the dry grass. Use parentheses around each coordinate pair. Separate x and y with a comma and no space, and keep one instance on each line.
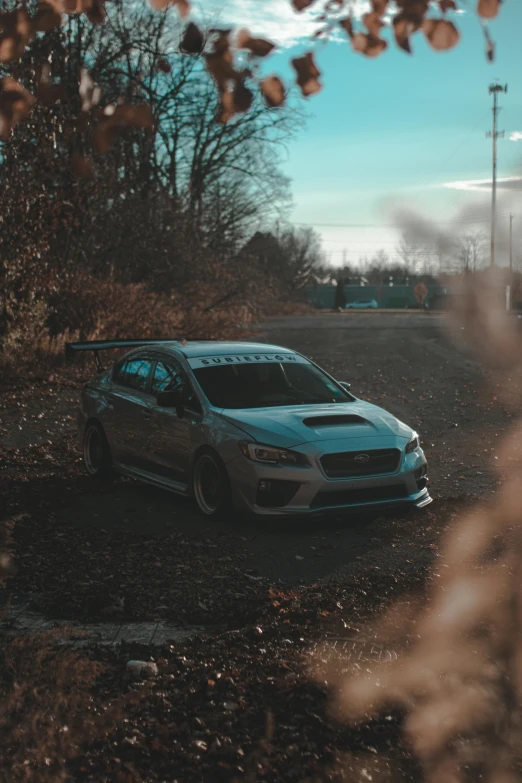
(47,709)
(89,309)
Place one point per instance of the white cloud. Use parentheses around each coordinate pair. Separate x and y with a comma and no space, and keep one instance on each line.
(503,183)
(276,19)
(516,136)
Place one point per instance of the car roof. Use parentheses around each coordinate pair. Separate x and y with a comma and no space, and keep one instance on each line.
(198,348)
(218,348)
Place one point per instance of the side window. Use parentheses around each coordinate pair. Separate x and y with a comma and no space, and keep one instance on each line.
(134,373)
(167,377)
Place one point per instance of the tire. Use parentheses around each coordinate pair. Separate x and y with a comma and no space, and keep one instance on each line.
(211,485)
(96,452)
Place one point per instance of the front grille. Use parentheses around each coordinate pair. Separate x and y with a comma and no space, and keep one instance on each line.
(350,464)
(347,497)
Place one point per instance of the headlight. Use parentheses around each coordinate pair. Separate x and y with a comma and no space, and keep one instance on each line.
(413,445)
(271,455)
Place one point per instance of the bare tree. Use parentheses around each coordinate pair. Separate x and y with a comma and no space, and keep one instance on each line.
(158,208)
(444,251)
(289,259)
(470,252)
(414,254)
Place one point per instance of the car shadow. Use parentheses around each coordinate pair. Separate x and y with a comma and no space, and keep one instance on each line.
(281,549)
(84,500)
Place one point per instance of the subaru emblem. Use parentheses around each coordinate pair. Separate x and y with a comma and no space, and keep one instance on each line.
(361,459)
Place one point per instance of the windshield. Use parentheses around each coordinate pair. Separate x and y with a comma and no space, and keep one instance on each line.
(264,384)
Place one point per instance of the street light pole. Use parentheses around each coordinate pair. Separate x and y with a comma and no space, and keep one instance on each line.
(511,243)
(494,90)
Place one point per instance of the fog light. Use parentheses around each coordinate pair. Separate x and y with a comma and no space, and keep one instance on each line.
(421,477)
(275,493)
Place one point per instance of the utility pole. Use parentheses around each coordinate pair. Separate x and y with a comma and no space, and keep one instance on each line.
(494,90)
(511,243)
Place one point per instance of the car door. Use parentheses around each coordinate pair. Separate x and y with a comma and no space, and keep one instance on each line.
(131,399)
(173,438)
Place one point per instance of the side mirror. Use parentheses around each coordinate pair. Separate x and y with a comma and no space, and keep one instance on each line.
(345,385)
(170,399)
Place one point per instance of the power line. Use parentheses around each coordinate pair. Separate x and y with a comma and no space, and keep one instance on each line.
(420,253)
(423,252)
(468,136)
(377,246)
(392,225)
(348,225)
(375,242)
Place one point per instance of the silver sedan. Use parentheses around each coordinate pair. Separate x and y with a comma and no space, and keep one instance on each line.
(252,426)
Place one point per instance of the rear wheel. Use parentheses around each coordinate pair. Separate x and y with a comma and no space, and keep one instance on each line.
(210,484)
(96,452)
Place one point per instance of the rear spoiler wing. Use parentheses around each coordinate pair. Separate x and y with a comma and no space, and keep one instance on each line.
(106,345)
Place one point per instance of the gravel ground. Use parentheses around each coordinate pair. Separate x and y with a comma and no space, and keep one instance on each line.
(238,703)
(88,551)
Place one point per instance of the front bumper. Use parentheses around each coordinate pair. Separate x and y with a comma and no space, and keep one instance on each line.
(308,491)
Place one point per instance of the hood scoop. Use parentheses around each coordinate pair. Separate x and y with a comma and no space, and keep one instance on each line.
(333,421)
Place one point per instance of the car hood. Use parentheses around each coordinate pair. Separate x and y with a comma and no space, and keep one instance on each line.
(290,426)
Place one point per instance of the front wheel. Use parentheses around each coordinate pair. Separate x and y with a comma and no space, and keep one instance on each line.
(210,484)
(96,452)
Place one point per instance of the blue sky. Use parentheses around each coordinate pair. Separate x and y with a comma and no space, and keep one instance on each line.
(396,131)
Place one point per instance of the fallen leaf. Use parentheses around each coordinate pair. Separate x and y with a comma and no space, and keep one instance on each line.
(403,27)
(441,34)
(94,9)
(488,9)
(16,31)
(257,46)
(307,74)
(273,91)
(192,41)
(15,104)
(119,121)
(373,22)
(221,67)
(96,13)
(243,97)
(46,18)
(161,5)
(368,44)
(347,25)
(300,5)
(163,65)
